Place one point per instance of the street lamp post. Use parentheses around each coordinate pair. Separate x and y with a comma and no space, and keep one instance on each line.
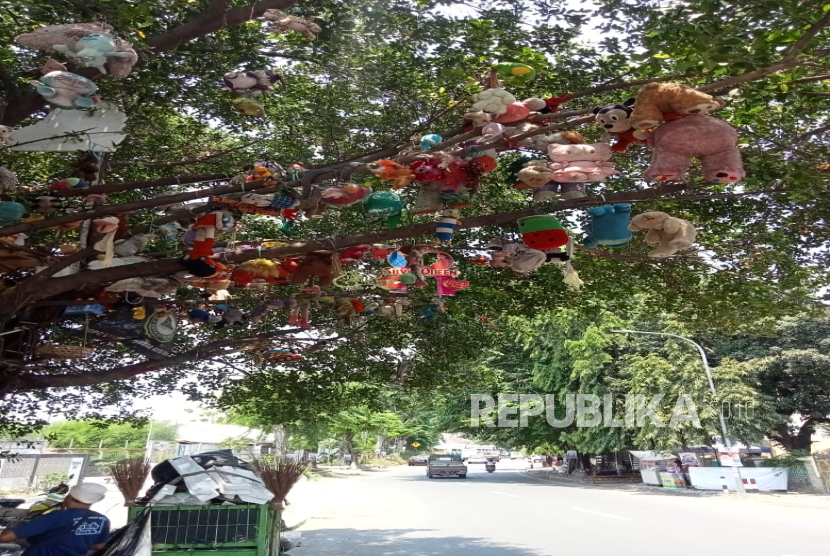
(708,371)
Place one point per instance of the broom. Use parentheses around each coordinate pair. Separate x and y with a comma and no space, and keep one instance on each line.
(129,476)
(279,476)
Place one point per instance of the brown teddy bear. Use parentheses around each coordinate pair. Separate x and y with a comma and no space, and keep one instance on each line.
(316,263)
(655,100)
(535,174)
(669,233)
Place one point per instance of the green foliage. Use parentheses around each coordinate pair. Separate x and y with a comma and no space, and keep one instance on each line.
(86,435)
(381,73)
(791,369)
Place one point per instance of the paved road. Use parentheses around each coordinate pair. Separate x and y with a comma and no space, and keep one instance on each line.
(401,512)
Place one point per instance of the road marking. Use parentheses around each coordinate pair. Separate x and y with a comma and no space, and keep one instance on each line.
(504,494)
(602,514)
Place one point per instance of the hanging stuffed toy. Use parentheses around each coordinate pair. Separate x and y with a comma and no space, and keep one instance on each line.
(608,226)
(542,232)
(93,51)
(67,90)
(108,226)
(431,312)
(415,264)
(571,277)
(657,100)
(445,228)
(388,170)
(300,315)
(86,43)
(542,142)
(345,195)
(319,264)
(200,260)
(534,175)
(248,106)
(616,121)
(347,309)
(133,245)
(581,163)
(250,83)
(710,140)
(515,74)
(518,111)
(281,23)
(6,135)
(670,234)
(554,189)
(430,141)
(8,181)
(493,101)
(270,271)
(384,204)
(276,202)
(11,212)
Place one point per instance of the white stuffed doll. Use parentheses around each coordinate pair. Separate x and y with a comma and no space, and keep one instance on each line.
(67,90)
(6,135)
(670,234)
(93,51)
(493,101)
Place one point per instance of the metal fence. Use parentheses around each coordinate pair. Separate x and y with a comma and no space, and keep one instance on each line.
(28,470)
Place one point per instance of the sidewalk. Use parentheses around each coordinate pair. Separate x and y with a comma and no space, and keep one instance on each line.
(792,499)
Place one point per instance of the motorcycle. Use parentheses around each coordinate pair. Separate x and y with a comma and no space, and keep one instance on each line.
(54,498)
(490,466)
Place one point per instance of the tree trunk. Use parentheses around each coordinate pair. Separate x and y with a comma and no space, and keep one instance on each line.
(280,448)
(801,441)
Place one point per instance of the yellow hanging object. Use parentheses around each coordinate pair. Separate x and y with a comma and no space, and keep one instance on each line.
(139,313)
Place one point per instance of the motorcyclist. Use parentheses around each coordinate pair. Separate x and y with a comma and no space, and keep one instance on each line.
(490,465)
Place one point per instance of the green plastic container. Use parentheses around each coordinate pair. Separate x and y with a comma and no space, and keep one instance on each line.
(239,530)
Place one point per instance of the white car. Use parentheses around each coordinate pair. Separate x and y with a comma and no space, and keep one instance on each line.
(476,459)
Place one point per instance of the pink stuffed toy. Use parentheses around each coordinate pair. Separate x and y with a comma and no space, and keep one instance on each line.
(520,110)
(710,140)
(581,163)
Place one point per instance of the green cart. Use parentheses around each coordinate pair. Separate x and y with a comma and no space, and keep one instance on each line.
(239,530)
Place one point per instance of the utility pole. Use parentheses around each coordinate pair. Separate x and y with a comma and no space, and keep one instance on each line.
(726,442)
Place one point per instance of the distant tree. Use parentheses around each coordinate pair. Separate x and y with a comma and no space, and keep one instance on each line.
(792,369)
(88,435)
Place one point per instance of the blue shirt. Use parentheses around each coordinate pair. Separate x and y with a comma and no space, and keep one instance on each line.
(89,531)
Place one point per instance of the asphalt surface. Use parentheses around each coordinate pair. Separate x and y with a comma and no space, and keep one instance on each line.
(400,512)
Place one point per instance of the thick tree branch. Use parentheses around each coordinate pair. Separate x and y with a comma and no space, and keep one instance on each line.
(133,185)
(212,20)
(26,382)
(812,79)
(96,278)
(789,60)
(211,156)
(802,43)
(26,227)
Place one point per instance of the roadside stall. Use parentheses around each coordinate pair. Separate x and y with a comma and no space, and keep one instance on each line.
(653,465)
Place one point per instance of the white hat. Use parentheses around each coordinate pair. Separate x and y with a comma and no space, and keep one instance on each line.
(88,493)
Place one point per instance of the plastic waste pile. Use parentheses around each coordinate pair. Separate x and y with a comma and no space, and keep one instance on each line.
(216,477)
